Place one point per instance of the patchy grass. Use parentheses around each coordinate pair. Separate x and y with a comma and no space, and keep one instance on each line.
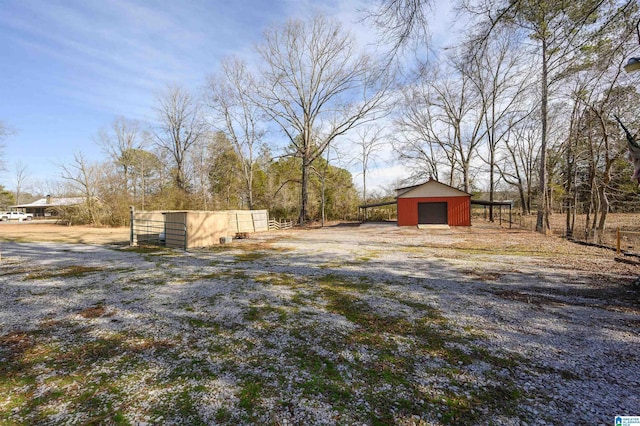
(94,312)
(251,256)
(376,385)
(263,312)
(283,279)
(73,271)
(244,340)
(249,396)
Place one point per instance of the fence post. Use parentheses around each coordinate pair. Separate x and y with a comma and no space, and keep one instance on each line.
(618,240)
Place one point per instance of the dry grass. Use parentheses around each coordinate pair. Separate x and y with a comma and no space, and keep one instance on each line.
(94,312)
(30,232)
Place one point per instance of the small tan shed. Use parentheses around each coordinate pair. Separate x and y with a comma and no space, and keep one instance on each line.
(190,229)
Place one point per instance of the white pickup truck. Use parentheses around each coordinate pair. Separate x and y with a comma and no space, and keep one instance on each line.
(19,216)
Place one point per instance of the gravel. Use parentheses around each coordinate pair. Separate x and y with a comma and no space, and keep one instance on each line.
(552,334)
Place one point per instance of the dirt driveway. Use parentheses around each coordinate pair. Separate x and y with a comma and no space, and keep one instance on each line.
(345,325)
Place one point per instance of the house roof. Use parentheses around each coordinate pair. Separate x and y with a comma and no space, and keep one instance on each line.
(53,202)
(430,188)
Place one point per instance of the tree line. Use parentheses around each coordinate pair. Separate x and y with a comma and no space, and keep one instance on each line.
(526,102)
(522,105)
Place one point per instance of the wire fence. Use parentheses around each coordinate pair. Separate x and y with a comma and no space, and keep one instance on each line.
(621,234)
(158,233)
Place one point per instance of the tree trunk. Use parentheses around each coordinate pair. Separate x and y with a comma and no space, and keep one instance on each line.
(364,192)
(604,209)
(304,193)
(543,214)
(568,189)
(491,181)
(465,172)
(250,189)
(523,200)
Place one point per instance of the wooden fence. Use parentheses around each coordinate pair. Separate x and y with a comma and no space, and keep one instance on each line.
(275,225)
(622,235)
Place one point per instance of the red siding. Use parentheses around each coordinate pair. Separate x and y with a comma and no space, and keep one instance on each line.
(459,210)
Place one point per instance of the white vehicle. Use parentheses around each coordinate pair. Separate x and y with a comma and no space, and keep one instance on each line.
(19,216)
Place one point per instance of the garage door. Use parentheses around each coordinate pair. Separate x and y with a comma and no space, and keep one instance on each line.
(432,213)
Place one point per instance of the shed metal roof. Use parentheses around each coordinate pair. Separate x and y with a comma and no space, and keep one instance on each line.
(430,188)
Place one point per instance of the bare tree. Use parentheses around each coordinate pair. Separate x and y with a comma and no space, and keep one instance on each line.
(517,158)
(21,178)
(231,95)
(608,94)
(200,158)
(120,142)
(416,143)
(559,29)
(369,142)
(462,111)
(502,80)
(317,86)
(449,113)
(146,170)
(401,22)
(5,131)
(180,126)
(84,178)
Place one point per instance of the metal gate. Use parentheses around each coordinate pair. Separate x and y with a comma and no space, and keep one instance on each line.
(432,213)
(158,233)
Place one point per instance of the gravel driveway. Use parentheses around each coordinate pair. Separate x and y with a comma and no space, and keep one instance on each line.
(347,325)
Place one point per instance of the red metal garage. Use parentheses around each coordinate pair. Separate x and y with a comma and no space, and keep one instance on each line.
(433,203)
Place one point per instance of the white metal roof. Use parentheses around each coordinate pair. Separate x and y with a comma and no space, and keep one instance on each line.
(53,202)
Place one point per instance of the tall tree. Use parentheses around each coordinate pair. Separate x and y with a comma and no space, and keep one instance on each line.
(120,141)
(180,126)
(559,30)
(225,173)
(21,178)
(501,79)
(231,95)
(145,170)
(5,131)
(6,198)
(448,113)
(84,178)
(401,22)
(518,156)
(200,159)
(417,142)
(317,86)
(369,142)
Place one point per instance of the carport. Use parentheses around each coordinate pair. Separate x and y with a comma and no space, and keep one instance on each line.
(499,204)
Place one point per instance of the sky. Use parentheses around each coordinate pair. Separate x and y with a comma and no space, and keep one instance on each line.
(70,67)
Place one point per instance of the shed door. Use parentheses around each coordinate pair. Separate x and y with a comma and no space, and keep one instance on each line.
(432,213)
